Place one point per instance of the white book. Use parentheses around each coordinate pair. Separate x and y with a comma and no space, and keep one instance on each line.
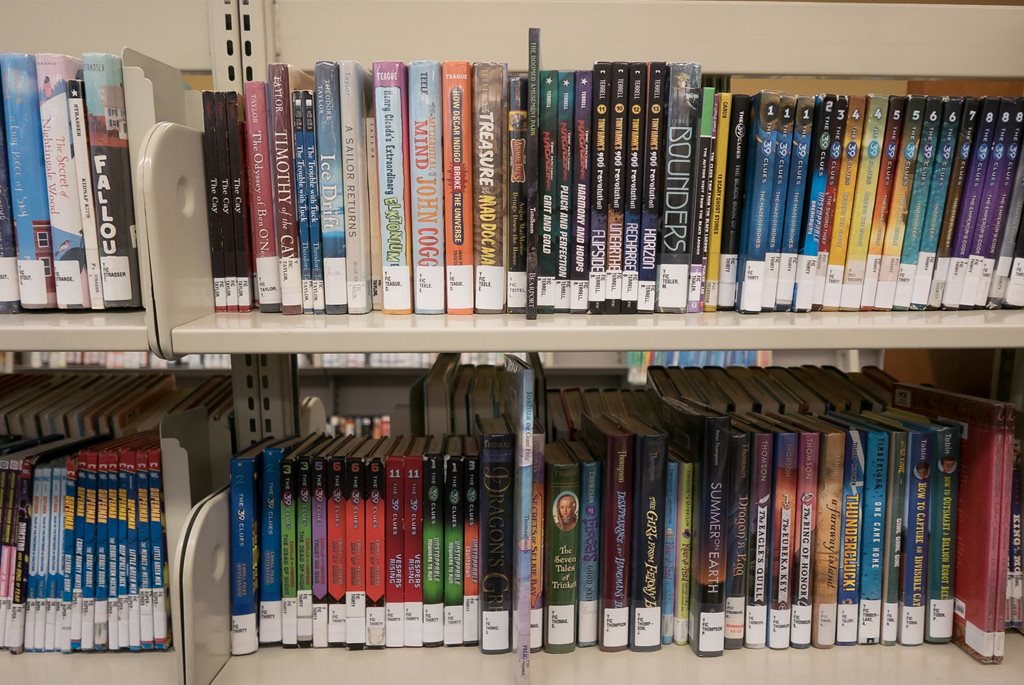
(86,201)
(357,178)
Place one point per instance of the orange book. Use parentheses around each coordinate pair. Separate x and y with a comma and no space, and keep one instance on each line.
(457,121)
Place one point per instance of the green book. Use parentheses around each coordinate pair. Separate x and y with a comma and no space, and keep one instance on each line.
(564,187)
(454,536)
(433,548)
(686,475)
(547,261)
(304,551)
(289,601)
(561,551)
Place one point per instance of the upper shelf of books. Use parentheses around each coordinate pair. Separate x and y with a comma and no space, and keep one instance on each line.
(74,331)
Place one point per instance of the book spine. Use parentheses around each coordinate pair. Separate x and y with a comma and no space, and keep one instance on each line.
(589,589)
(433,551)
(9,291)
(796,189)
(649,538)
(279,114)
(457,88)
(17,631)
(6,526)
(211,151)
(616,540)
(869,168)
(517,225)
(880,215)
(537,546)
(38,506)
(373,196)
(653,181)
(564,188)
(375,561)
(319,551)
(782,143)
(146,599)
(617,181)
(561,515)
(289,583)
(391,112)
(471,554)
(357,178)
(243,560)
(872,556)
(490,218)
(835,164)
(427,181)
(270,547)
(132,552)
(413,550)
(894,512)
(848,596)
(915,546)
(85,530)
(54,568)
(678,213)
(330,162)
(355,555)
(784,539)
(304,551)
(1007,247)
(735,188)
(828,536)
(597,238)
(684,564)
(53,74)
(705,170)
(299,156)
(943,491)
(807,261)
(758,208)
(760,545)
(239,173)
(394,548)
(532,209)
(103,602)
(845,200)
(522,389)
(579,301)
(115,599)
(707,594)
(496,571)
(899,205)
(336,531)
(548,136)
(737,540)
(671,547)
(227,223)
(261,203)
(454,531)
(28,180)
(158,543)
(723,110)
(806,509)
(636,128)
(71,621)
(971,202)
(316,246)
(937,197)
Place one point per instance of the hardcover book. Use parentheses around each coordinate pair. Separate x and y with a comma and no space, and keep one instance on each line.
(565,187)
(617,182)
(636,128)
(782,142)
(83,190)
(845,201)
(599,179)
(796,189)
(547,295)
(517,225)
(457,91)
(490,215)
(359,181)
(426,170)
(330,162)
(561,519)
(580,220)
(735,188)
(261,203)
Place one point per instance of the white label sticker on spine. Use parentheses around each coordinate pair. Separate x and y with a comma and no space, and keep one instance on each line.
(1015,288)
(694,287)
(588,622)
(673,280)
(413,624)
(846,629)
(712,631)
(616,627)
(890,622)
(429,290)
(940,619)
(757,626)
(490,288)
(955,282)
(32,280)
(394,624)
(494,636)
(923,279)
(630,283)
(911,625)
(778,628)
(647,626)
(453,625)
(752,288)
(904,286)
(536,628)
(320,625)
(9,279)
(335,281)
(305,614)
(546,291)
(870,621)
(561,627)
(807,266)
(578,296)
(358,300)
(69,284)
(335,624)
(614,285)
(471,619)
(833,286)
(268,279)
(375,626)
(563,295)
(433,624)
(727,270)
(825,619)
(820,278)
(734,617)
(517,289)
(874,270)
(598,283)
(291,282)
(355,617)
(800,632)
(984,282)
(397,288)
(773,264)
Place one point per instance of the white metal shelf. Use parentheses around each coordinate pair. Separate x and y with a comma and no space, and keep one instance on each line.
(376,332)
(84,331)
(448,666)
(151,668)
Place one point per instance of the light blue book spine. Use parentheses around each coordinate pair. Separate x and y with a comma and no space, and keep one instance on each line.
(316,251)
(799,166)
(807,263)
(85,544)
(426,180)
(123,561)
(130,523)
(27,172)
(145,555)
(668,569)
(590,553)
(782,144)
(109,478)
(270,546)
(872,550)
(244,554)
(36,560)
(71,623)
(55,570)
(161,635)
(331,186)
(849,565)
(758,210)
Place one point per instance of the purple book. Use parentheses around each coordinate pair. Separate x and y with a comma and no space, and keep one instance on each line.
(759,552)
(320,613)
(970,204)
(999,178)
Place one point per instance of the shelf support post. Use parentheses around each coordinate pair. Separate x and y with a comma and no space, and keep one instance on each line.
(265,390)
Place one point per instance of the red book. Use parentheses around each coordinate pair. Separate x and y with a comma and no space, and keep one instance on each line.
(336,551)
(376,525)
(983,512)
(262,233)
(414,544)
(394,598)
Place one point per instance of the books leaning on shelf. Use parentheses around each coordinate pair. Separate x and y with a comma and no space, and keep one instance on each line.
(655,194)
(720,508)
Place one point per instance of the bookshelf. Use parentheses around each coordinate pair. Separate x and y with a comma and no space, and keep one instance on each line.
(77,331)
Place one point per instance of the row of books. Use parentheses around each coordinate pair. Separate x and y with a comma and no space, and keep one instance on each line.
(650,193)
(359,426)
(67,215)
(637,363)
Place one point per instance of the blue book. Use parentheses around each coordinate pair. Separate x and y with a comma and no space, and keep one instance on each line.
(588,592)
(848,595)
(72,573)
(8,247)
(85,544)
(270,545)
(920,447)
(130,523)
(102,555)
(108,480)
(161,634)
(427,177)
(807,261)
(55,556)
(316,277)
(330,158)
(35,590)
(782,143)
(28,181)
(145,570)
(668,569)
(301,200)
(796,188)
(756,225)
(943,490)
(123,593)
(244,551)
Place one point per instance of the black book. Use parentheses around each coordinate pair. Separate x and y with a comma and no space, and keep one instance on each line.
(599,177)
(736,537)
(211,164)
(635,129)
(237,169)
(517,223)
(617,185)
(581,201)
(497,461)
(532,172)
(653,175)
(732,210)
(226,209)
(453,511)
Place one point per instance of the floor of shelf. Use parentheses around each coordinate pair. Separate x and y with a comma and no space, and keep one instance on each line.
(107,668)
(74,331)
(276,333)
(452,666)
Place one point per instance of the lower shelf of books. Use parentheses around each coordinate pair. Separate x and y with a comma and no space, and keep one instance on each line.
(152,668)
(445,666)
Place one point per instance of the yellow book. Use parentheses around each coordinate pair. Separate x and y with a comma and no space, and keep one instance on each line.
(717,201)
(875,114)
(844,204)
